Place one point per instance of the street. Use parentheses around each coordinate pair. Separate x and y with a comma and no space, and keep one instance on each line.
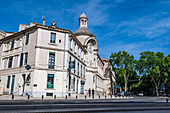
(128,105)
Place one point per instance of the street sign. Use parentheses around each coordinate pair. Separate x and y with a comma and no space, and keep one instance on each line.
(71,64)
(27,67)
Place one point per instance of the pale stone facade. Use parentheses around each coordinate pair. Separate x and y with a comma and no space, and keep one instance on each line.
(48,50)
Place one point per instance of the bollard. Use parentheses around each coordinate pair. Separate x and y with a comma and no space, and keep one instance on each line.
(28,96)
(105,96)
(76,96)
(54,96)
(42,97)
(85,96)
(66,97)
(99,96)
(167,100)
(111,96)
(12,97)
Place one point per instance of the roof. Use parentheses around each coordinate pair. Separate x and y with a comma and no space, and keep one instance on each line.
(83,31)
(53,28)
(83,15)
(2,32)
(104,59)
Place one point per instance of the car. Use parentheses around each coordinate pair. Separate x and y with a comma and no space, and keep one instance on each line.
(127,93)
(140,94)
(124,93)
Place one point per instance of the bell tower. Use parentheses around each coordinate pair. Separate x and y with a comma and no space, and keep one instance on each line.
(83,20)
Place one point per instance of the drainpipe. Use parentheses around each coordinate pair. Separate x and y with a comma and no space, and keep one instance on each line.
(64,66)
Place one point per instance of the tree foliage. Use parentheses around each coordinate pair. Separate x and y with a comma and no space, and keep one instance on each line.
(123,65)
(154,65)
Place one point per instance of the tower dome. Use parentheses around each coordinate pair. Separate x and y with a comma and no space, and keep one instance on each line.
(83,30)
(83,15)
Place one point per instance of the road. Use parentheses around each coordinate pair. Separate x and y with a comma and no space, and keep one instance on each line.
(119,105)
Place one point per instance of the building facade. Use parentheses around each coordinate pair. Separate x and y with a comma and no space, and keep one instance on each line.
(35,61)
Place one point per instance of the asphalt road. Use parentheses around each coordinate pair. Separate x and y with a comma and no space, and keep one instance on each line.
(117,105)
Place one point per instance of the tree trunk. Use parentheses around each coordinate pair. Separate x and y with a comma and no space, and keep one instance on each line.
(125,85)
(157,92)
(156,86)
(126,81)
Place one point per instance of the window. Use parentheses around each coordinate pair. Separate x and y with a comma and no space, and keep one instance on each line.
(51,61)
(81,71)
(74,80)
(85,22)
(50,81)
(53,38)
(8,81)
(90,46)
(10,62)
(49,94)
(70,42)
(77,68)
(84,71)
(12,44)
(21,59)
(26,58)
(74,47)
(27,39)
(82,22)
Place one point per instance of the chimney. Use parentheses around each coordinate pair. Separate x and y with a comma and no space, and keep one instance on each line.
(43,17)
(54,23)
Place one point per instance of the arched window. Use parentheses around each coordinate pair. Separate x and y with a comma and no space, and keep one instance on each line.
(90,46)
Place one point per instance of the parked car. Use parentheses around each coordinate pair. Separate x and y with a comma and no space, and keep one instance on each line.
(140,94)
(124,93)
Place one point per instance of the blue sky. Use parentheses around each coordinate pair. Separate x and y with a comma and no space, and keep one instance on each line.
(131,25)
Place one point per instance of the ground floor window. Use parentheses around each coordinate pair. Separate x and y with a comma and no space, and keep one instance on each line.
(82,88)
(74,79)
(50,81)
(49,94)
(8,81)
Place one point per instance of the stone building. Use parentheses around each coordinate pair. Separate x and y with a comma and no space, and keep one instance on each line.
(47,51)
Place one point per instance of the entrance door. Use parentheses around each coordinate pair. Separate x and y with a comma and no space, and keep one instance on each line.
(23,85)
(82,88)
(77,86)
(12,85)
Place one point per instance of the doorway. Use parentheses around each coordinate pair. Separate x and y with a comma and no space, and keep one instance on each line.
(23,85)
(12,85)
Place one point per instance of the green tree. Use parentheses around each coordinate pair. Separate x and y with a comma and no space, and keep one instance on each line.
(153,65)
(124,64)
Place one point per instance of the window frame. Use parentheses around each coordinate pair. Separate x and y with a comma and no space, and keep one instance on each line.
(51,64)
(52,41)
(51,85)
(12,43)
(10,62)
(27,39)
(8,81)
(26,58)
